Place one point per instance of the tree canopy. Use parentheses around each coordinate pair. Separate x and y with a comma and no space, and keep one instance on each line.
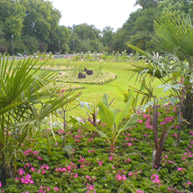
(34,26)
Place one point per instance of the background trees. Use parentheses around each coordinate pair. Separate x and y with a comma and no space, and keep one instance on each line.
(34,26)
(85,38)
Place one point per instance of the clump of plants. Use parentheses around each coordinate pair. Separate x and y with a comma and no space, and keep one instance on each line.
(26,99)
(85,165)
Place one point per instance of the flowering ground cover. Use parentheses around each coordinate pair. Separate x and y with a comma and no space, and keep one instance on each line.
(79,160)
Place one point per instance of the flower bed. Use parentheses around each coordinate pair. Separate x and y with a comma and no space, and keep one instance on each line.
(85,165)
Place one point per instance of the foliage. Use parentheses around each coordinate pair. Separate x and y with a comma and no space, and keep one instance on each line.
(88,167)
(113,120)
(25,100)
(84,38)
(173,34)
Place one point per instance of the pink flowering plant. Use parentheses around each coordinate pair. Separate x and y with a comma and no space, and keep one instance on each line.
(85,165)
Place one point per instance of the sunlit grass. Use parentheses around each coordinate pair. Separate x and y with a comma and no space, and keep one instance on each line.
(93,93)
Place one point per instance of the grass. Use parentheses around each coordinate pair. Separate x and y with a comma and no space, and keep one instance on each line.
(93,93)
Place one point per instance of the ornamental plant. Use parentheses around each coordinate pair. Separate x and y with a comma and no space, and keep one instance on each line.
(172,37)
(113,120)
(25,99)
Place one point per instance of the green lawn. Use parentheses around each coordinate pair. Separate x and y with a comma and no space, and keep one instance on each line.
(93,93)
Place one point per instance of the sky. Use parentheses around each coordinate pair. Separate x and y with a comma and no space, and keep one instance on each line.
(100,13)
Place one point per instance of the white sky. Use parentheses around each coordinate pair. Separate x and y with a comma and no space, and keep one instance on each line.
(100,13)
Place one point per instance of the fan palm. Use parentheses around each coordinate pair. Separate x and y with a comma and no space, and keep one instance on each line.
(173,35)
(25,99)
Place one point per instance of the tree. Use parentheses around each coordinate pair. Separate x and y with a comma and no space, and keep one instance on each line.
(136,30)
(41,19)
(58,40)
(181,6)
(146,4)
(31,44)
(107,38)
(119,40)
(11,18)
(85,38)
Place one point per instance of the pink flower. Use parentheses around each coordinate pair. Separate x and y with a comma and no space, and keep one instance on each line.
(130,173)
(76,175)
(166,120)
(191,133)
(81,160)
(43,172)
(129,144)
(88,177)
(110,158)
(127,160)
(39,158)
(21,171)
(100,163)
(140,121)
(180,169)
(69,167)
(146,116)
(124,178)
(47,167)
(0,184)
(155,179)
(118,177)
(139,191)
(35,153)
(91,187)
(33,169)
(189,183)
(17,179)
(56,189)
(63,169)
(61,131)
(27,179)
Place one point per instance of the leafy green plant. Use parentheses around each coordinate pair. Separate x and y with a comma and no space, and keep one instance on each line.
(173,34)
(173,37)
(25,99)
(113,120)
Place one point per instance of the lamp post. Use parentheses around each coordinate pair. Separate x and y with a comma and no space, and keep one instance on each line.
(73,45)
(59,46)
(12,43)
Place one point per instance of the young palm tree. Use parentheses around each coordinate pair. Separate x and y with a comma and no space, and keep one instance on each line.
(25,99)
(173,36)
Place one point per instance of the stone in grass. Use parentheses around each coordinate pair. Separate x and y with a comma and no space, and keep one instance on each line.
(89,72)
(85,69)
(81,75)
